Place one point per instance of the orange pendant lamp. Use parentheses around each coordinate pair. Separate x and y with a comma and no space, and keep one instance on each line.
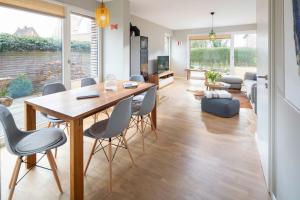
(102,16)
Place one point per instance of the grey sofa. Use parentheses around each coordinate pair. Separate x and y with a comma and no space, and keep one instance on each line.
(250,83)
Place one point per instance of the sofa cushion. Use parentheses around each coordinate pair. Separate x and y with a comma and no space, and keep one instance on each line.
(231,79)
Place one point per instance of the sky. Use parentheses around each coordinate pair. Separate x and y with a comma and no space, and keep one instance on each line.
(45,26)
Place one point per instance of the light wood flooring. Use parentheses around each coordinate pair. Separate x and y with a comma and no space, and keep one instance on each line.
(196,157)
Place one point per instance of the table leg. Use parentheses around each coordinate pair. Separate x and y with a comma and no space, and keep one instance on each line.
(154,115)
(30,124)
(76,160)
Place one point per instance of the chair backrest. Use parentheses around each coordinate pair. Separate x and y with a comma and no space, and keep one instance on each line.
(87,82)
(12,135)
(148,101)
(53,88)
(119,119)
(137,78)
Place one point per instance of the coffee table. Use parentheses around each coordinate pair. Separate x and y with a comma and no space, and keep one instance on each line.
(217,86)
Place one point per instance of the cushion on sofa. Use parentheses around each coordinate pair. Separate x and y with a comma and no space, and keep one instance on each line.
(231,79)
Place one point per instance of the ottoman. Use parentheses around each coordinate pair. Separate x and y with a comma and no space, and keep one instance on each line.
(221,107)
(234,81)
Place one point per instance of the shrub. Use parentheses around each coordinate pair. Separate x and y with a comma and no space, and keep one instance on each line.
(3,92)
(20,87)
(10,42)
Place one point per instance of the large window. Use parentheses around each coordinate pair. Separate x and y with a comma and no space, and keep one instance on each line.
(30,55)
(84,48)
(210,55)
(32,48)
(244,53)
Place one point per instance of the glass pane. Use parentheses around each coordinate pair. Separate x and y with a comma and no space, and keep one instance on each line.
(244,54)
(84,49)
(30,56)
(210,55)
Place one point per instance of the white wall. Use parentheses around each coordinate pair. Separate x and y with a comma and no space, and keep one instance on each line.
(116,42)
(155,33)
(180,52)
(287,129)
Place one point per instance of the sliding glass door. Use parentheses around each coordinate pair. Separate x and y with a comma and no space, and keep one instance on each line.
(84,49)
(30,55)
(210,55)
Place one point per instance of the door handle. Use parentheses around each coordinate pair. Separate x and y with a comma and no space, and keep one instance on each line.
(264,77)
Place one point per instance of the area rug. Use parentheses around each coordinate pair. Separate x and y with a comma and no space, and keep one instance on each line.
(241,96)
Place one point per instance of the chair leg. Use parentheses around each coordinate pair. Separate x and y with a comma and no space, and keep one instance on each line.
(13,174)
(53,160)
(15,177)
(126,145)
(49,124)
(90,157)
(110,166)
(142,133)
(52,165)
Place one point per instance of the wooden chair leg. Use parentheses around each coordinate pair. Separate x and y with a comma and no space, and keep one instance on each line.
(49,124)
(53,160)
(142,133)
(13,174)
(52,165)
(110,166)
(126,145)
(15,177)
(90,157)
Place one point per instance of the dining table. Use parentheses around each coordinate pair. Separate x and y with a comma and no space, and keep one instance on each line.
(66,106)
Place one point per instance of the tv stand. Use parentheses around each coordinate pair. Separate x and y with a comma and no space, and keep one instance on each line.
(163,79)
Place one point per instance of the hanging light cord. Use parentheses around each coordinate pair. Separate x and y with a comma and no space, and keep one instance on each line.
(212,21)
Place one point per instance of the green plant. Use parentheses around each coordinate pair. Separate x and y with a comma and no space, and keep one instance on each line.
(9,42)
(20,86)
(213,76)
(3,92)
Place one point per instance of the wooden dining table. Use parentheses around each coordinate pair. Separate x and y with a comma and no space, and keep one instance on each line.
(65,106)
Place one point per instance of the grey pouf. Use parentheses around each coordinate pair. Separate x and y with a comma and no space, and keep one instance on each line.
(221,107)
(234,81)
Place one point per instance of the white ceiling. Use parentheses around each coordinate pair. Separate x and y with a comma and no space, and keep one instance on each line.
(187,14)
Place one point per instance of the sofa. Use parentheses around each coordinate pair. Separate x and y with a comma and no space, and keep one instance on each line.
(250,83)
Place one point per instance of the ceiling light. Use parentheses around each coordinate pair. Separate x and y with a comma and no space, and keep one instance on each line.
(102,16)
(212,35)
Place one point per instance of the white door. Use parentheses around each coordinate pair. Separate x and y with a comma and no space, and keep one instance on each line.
(263,93)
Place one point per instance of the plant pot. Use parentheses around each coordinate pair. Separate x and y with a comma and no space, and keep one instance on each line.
(6,101)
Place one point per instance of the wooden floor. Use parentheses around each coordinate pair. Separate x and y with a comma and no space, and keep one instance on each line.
(197,156)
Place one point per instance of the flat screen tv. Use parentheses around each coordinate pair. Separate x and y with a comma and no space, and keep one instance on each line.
(163,64)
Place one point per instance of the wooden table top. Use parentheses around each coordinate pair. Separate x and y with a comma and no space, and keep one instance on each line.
(65,106)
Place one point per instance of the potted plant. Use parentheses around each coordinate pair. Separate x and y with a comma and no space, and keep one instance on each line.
(213,76)
(4,99)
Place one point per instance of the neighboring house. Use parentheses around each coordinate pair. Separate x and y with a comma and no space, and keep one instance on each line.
(26,31)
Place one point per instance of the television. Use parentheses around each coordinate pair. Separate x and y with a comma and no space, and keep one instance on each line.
(163,64)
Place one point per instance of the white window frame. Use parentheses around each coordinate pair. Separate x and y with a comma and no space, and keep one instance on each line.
(232,34)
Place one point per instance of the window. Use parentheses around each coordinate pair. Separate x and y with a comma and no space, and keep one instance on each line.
(212,55)
(30,55)
(84,48)
(167,43)
(244,53)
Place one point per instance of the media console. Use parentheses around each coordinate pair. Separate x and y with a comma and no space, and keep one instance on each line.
(163,79)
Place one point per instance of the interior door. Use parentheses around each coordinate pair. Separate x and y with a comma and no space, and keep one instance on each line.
(263,85)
